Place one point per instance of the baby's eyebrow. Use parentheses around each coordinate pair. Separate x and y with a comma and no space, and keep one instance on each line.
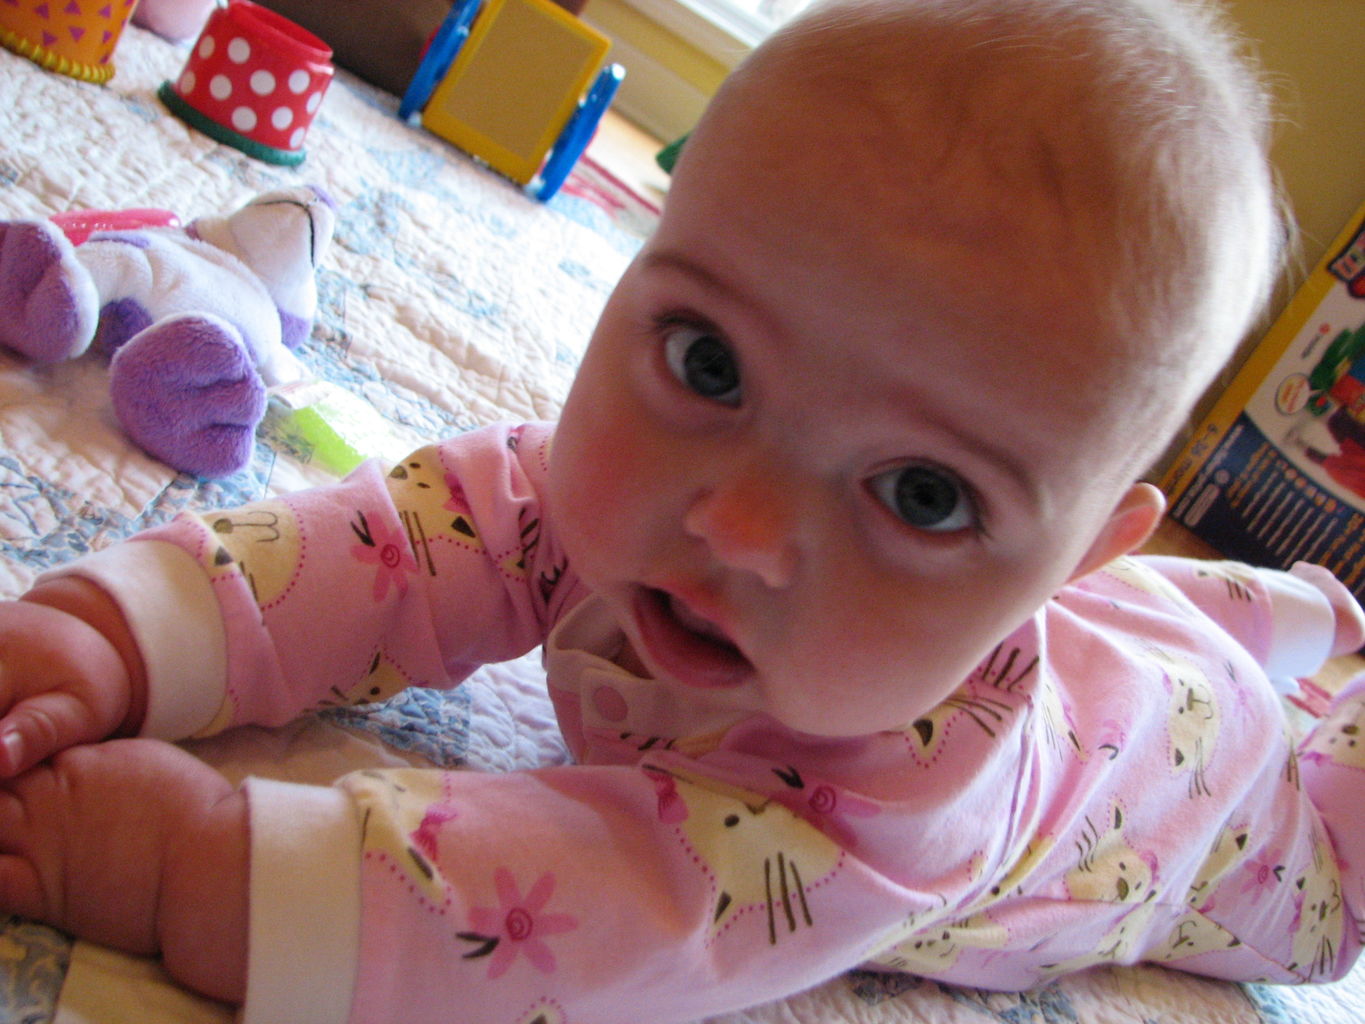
(1008,464)
(739,302)
(676,262)
(1001,461)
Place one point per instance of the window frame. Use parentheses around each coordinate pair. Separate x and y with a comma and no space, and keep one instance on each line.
(664,44)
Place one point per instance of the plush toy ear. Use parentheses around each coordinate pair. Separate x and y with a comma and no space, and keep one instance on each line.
(281,236)
(1127,528)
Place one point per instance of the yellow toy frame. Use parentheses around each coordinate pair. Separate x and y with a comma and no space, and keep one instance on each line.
(515,83)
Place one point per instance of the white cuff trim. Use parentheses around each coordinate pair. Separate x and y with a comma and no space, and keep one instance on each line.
(1303,627)
(171,610)
(305,904)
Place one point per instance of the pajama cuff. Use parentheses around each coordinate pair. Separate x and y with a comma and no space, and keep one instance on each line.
(173,615)
(1349,617)
(304,933)
(1313,617)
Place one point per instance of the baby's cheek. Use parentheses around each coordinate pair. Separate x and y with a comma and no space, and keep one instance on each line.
(597,489)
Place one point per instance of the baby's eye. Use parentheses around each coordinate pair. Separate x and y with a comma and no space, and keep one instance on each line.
(702,361)
(927,498)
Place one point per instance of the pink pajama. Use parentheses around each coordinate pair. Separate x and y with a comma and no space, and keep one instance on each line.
(1115,783)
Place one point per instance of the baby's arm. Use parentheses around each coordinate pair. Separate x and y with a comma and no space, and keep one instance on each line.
(424,574)
(69,672)
(1292,622)
(138,845)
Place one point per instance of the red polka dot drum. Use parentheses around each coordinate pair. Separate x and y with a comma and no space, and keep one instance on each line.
(254,80)
(73,37)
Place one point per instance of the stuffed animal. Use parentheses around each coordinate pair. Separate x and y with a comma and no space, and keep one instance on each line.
(176,20)
(198,321)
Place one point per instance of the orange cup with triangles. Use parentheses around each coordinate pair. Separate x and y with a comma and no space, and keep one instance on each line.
(72,37)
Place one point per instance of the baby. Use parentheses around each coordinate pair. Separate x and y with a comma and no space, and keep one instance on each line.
(827,556)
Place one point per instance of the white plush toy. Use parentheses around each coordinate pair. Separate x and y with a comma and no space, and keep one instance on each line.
(176,20)
(198,321)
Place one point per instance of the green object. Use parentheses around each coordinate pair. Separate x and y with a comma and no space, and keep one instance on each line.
(1346,347)
(325,425)
(668,156)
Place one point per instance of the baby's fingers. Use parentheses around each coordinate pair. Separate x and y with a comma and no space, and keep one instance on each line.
(39,726)
(62,681)
(22,890)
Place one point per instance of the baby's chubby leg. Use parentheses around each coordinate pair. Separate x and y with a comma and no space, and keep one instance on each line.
(137,845)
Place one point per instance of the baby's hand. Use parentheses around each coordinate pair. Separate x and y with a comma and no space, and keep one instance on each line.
(69,673)
(134,844)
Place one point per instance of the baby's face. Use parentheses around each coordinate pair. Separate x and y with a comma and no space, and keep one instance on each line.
(827,449)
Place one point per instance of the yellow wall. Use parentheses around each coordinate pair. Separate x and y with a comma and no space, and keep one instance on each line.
(1314,51)
(617,18)
(668,80)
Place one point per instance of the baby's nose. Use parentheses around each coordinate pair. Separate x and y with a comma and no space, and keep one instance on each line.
(749,524)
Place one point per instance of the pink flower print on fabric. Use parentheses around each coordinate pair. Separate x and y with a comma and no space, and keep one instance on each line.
(518,926)
(457,502)
(1261,877)
(825,806)
(425,836)
(672,807)
(389,551)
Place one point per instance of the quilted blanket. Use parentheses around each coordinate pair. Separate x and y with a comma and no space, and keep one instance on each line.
(448,300)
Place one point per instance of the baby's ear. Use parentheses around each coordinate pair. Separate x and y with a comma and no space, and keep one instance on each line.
(1127,528)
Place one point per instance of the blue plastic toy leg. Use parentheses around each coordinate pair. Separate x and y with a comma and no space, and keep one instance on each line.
(578,132)
(445,45)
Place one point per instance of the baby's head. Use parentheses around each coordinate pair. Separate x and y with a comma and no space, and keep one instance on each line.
(935,281)
(1119,145)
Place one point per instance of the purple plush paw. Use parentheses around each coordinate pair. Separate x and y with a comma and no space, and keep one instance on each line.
(48,305)
(187,392)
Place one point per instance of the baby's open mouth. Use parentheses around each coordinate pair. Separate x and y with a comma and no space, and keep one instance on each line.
(685,645)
